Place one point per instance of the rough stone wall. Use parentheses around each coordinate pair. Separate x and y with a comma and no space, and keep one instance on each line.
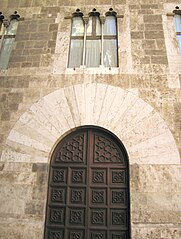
(149,68)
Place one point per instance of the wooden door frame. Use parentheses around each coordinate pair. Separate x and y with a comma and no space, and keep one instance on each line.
(122,148)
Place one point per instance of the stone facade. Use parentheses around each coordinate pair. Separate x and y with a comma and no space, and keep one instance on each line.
(140,102)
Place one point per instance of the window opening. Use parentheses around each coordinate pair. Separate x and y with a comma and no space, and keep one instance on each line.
(1,21)
(77,40)
(177,21)
(8,40)
(93,40)
(1,28)
(110,40)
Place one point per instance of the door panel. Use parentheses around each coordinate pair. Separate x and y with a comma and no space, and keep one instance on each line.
(88,196)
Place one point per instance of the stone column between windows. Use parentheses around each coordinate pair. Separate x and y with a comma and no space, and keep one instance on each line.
(85,34)
(102,18)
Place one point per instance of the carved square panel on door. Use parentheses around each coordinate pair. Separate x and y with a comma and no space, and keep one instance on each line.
(118,235)
(56,215)
(78,176)
(54,234)
(76,234)
(98,234)
(118,197)
(118,176)
(98,217)
(77,195)
(76,216)
(58,195)
(99,176)
(98,196)
(59,176)
(118,218)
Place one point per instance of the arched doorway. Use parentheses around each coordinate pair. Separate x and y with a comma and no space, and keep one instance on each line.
(88,195)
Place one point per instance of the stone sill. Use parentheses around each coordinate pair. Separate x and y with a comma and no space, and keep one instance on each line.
(93,70)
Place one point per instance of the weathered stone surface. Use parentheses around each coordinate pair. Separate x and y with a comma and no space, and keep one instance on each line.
(151,18)
(42,178)
(137,35)
(152,27)
(160,232)
(154,35)
(149,6)
(39,192)
(12,3)
(1,166)
(39,167)
(159,59)
(21,230)
(17,178)
(5,115)
(34,207)
(17,167)
(139,101)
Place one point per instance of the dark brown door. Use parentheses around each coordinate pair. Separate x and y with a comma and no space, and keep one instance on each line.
(88,196)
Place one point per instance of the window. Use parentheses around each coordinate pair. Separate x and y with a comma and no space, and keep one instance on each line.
(77,40)
(7,41)
(110,40)
(1,22)
(1,28)
(93,40)
(177,20)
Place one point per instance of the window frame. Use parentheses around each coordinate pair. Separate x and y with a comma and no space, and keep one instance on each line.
(112,37)
(78,13)
(102,37)
(8,34)
(177,11)
(1,28)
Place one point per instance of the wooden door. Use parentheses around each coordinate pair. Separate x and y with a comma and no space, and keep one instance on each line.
(88,196)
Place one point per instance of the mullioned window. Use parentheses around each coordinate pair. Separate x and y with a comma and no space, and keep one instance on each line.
(177,21)
(7,39)
(93,40)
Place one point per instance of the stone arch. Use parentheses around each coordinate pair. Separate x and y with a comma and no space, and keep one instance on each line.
(144,133)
